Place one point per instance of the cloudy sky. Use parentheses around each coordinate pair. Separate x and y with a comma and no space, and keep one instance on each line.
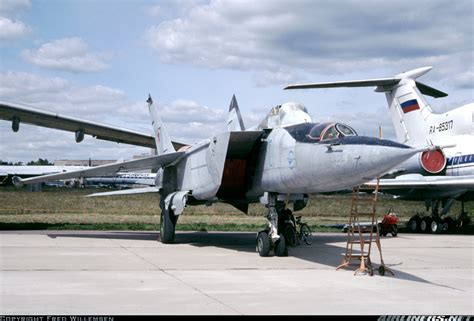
(99,59)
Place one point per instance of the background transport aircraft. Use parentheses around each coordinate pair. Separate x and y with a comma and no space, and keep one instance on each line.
(123,179)
(281,161)
(439,176)
(7,172)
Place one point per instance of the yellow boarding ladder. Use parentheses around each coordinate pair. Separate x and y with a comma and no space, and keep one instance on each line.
(365,208)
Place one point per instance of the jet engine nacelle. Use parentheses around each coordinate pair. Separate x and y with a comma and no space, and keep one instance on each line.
(15,124)
(426,163)
(434,161)
(79,135)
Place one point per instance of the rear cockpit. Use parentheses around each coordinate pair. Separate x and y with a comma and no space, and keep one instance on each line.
(285,115)
(314,132)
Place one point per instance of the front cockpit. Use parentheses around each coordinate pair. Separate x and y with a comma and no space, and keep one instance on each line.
(317,132)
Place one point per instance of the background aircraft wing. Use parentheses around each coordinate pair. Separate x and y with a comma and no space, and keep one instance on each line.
(415,181)
(127,192)
(21,114)
(350,83)
(153,162)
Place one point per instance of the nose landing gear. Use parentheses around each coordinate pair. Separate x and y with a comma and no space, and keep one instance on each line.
(265,244)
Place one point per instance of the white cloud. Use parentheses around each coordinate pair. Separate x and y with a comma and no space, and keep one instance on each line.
(12,29)
(187,121)
(316,36)
(59,95)
(68,54)
(11,6)
(154,10)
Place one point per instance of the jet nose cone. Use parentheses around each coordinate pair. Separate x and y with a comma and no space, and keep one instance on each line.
(378,156)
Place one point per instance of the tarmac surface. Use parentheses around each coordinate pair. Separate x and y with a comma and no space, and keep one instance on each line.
(117,273)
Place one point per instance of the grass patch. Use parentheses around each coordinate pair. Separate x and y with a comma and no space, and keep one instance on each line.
(63,208)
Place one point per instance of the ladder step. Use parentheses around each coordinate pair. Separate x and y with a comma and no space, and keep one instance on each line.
(365,241)
(364,200)
(365,211)
(358,256)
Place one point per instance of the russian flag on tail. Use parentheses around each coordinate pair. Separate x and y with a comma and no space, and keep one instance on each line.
(410,105)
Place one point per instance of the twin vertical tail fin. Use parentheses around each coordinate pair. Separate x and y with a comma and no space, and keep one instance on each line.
(408,108)
(162,138)
(234,118)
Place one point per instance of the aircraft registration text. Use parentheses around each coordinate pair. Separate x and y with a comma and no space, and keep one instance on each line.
(441,127)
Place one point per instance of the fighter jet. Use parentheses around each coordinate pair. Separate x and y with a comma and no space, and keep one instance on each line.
(277,163)
(438,176)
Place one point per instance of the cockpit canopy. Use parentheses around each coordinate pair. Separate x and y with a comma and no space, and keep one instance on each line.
(314,132)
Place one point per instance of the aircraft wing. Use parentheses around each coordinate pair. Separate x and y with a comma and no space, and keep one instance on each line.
(153,162)
(127,192)
(415,182)
(22,114)
(424,89)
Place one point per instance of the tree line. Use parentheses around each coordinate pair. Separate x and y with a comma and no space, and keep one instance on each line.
(40,161)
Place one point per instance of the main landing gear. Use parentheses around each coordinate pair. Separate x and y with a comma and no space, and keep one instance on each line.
(435,224)
(167,226)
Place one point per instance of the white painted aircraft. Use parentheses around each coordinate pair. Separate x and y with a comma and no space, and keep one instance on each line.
(9,171)
(438,176)
(123,179)
(280,162)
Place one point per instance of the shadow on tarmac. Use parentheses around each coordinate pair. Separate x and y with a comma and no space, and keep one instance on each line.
(322,251)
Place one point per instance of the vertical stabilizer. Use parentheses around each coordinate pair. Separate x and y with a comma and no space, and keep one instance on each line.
(234,119)
(162,139)
(408,108)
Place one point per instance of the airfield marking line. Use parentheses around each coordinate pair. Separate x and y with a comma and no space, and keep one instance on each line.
(178,279)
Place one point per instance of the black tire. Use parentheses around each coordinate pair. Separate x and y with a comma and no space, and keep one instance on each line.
(381,270)
(436,226)
(414,224)
(448,224)
(167,227)
(306,234)
(290,235)
(280,247)
(394,230)
(263,244)
(425,224)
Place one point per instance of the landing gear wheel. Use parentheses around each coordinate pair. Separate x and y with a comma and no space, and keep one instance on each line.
(394,230)
(464,221)
(167,226)
(414,224)
(381,270)
(436,226)
(425,224)
(290,236)
(263,244)
(306,234)
(280,247)
(448,224)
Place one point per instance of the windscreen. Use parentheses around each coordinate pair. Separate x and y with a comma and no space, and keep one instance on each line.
(316,132)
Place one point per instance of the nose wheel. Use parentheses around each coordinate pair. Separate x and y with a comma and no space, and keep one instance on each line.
(265,245)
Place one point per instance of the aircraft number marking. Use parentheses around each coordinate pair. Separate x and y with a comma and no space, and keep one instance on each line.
(441,127)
